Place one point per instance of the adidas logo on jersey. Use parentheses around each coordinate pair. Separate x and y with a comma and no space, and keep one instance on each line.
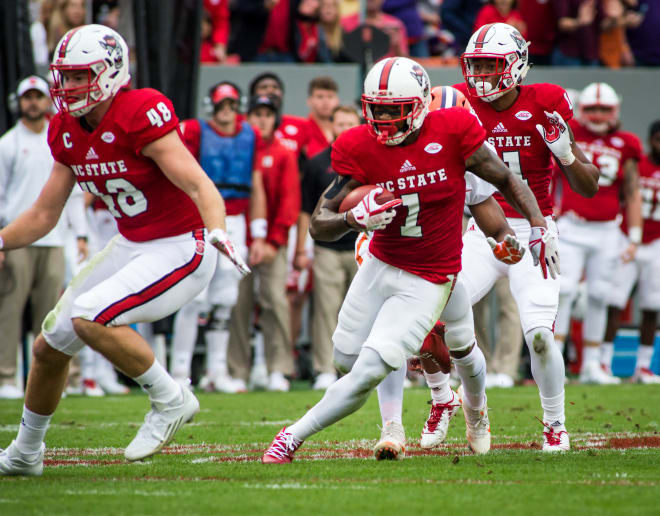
(91,154)
(499,128)
(407,167)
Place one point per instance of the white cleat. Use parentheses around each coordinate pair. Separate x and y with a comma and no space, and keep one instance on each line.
(160,425)
(277,382)
(112,386)
(477,425)
(91,388)
(10,392)
(646,376)
(392,444)
(324,380)
(13,462)
(593,373)
(555,438)
(435,429)
(258,377)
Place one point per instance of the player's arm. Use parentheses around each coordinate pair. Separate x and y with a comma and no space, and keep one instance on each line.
(40,218)
(500,236)
(180,167)
(633,201)
(326,223)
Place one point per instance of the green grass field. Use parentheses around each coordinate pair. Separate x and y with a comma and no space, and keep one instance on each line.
(213,467)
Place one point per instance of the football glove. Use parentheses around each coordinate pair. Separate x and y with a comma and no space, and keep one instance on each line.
(557,138)
(544,249)
(219,239)
(370,215)
(509,251)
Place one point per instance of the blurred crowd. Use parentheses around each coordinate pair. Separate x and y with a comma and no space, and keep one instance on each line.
(612,33)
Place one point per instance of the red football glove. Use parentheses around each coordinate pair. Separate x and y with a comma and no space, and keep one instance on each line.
(509,251)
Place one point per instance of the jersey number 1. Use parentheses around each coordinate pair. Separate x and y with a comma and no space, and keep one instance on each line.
(410,228)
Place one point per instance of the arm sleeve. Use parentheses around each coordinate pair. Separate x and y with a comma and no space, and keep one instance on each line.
(289,206)
(152,119)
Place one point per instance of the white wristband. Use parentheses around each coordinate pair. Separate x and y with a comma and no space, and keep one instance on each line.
(2,243)
(635,235)
(567,160)
(259,228)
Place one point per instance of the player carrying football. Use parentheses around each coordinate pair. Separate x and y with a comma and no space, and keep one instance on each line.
(123,146)
(402,287)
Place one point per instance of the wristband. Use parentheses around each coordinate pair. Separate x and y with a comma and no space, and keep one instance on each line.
(567,160)
(635,235)
(2,243)
(346,219)
(259,228)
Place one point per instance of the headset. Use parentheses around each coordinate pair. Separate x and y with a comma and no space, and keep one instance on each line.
(209,107)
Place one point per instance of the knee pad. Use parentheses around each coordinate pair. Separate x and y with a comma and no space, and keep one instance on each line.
(343,362)
(539,340)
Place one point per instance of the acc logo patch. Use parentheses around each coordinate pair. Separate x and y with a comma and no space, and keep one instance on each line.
(291,129)
(108,137)
(199,247)
(523,115)
(617,142)
(433,148)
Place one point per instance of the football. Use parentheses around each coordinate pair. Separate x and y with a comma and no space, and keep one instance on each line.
(355,196)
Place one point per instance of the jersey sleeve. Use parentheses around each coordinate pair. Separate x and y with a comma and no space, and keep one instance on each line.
(153,118)
(471,135)
(476,189)
(634,147)
(557,100)
(190,134)
(343,161)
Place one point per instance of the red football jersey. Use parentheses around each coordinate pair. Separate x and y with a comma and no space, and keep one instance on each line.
(293,132)
(108,163)
(513,133)
(608,153)
(649,185)
(428,175)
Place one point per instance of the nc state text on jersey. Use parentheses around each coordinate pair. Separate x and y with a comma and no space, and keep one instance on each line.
(510,141)
(100,169)
(414,180)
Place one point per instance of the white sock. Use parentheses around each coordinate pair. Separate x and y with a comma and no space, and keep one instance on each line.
(439,384)
(31,432)
(216,352)
(561,345)
(606,353)
(553,409)
(390,396)
(87,363)
(644,355)
(161,386)
(590,354)
(472,371)
(184,336)
(259,348)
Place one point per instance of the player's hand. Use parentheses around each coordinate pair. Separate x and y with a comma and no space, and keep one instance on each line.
(557,138)
(219,239)
(369,215)
(545,251)
(509,251)
(629,254)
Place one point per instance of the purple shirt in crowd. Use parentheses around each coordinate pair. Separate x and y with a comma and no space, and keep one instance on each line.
(645,39)
(406,11)
(582,43)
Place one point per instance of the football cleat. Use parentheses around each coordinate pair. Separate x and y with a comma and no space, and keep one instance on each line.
(13,462)
(477,425)
(324,380)
(593,373)
(91,388)
(435,429)
(392,444)
(555,438)
(282,448)
(435,348)
(644,375)
(277,382)
(160,425)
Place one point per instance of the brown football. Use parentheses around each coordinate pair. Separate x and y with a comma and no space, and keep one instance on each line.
(355,196)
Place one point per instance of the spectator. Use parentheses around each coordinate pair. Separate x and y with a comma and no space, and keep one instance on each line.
(66,15)
(331,31)
(458,18)
(541,21)
(334,262)
(277,40)
(216,13)
(36,272)
(322,99)
(249,22)
(407,11)
(310,46)
(501,11)
(40,14)
(579,26)
(614,51)
(280,175)
(392,26)
(643,33)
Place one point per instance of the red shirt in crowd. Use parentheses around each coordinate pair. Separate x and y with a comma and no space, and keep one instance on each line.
(293,132)
(541,20)
(276,37)
(316,141)
(489,14)
(219,11)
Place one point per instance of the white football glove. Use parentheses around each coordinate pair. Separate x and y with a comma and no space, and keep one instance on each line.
(544,249)
(509,251)
(370,215)
(557,138)
(220,240)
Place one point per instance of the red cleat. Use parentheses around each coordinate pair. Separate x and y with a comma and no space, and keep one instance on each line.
(282,448)
(435,348)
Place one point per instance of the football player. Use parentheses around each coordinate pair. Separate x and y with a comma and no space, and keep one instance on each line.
(645,268)
(526,124)
(123,146)
(401,289)
(589,228)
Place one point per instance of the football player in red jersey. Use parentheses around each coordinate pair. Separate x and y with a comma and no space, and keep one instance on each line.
(123,146)
(526,124)
(589,228)
(401,289)
(644,269)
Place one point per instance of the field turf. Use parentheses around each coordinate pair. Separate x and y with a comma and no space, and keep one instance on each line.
(213,467)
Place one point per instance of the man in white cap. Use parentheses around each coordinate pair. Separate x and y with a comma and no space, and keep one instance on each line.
(36,272)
